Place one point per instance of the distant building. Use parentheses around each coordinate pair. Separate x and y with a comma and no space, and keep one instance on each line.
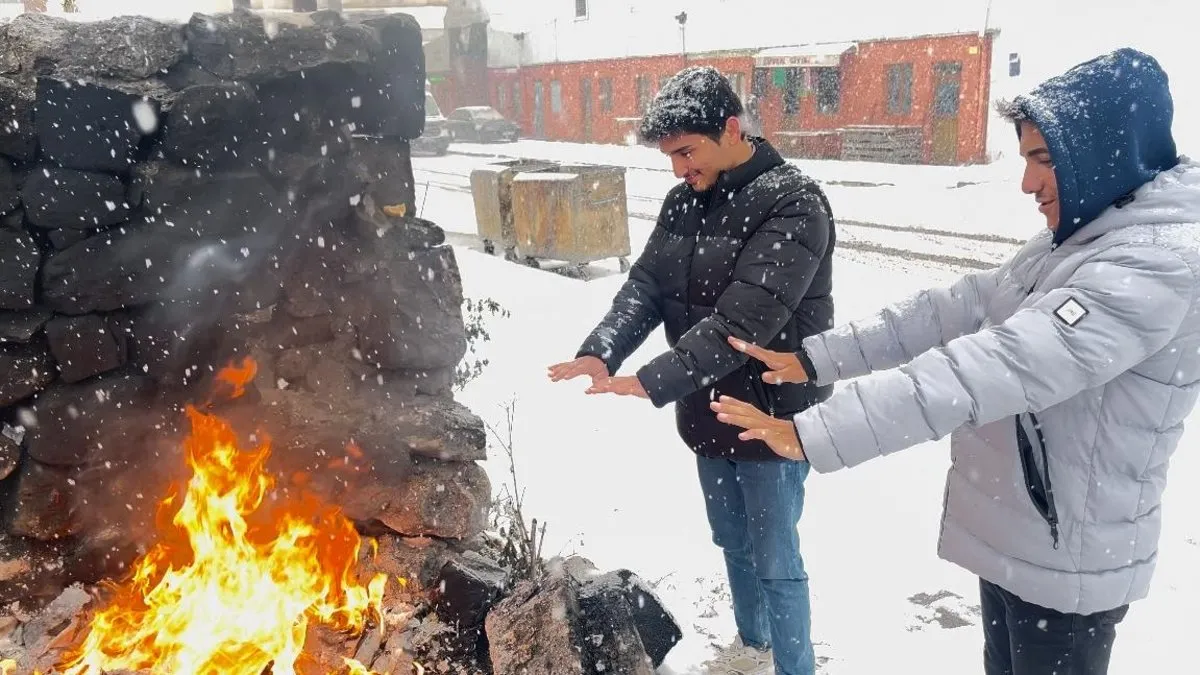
(587,70)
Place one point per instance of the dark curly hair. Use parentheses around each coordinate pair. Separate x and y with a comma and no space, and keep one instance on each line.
(697,100)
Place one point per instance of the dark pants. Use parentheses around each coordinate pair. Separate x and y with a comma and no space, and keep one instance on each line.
(1021,638)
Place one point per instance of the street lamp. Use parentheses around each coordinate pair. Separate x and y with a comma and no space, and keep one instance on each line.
(682,19)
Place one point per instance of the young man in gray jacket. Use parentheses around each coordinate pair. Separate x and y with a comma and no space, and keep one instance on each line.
(1064,376)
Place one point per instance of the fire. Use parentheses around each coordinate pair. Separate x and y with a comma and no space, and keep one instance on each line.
(236,578)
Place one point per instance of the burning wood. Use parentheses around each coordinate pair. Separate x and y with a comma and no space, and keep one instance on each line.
(236,579)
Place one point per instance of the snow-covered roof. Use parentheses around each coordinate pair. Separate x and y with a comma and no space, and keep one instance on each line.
(826,54)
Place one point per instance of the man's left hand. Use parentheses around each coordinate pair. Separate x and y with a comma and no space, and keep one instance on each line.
(628,385)
(779,434)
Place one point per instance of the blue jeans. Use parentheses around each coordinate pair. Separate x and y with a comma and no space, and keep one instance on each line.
(753,510)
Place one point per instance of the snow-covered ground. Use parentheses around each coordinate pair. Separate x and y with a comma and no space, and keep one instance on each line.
(616,485)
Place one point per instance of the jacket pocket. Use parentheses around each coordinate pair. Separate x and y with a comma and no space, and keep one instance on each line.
(1035,467)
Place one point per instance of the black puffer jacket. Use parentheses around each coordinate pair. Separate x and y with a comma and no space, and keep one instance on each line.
(752,258)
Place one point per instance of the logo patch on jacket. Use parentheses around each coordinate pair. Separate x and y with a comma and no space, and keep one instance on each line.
(1071,312)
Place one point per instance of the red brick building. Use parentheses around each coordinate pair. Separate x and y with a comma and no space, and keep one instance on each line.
(919,99)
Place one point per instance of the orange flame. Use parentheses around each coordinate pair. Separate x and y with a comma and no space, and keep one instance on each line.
(238,376)
(236,578)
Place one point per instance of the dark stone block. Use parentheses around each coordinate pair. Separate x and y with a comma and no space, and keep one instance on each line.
(27,370)
(655,626)
(238,46)
(422,327)
(64,239)
(85,346)
(93,126)
(10,196)
(124,48)
(67,198)
(130,266)
(42,505)
(10,456)
(78,423)
(21,326)
(201,204)
(214,127)
(19,261)
(467,589)
(398,75)
(18,136)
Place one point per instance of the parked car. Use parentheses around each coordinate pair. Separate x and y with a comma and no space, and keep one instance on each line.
(481,124)
(436,138)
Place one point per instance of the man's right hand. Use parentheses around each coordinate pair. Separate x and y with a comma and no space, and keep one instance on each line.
(584,365)
(785,366)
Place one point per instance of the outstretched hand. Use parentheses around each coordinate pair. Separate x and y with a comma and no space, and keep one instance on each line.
(784,366)
(584,365)
(621,386)
(779,434)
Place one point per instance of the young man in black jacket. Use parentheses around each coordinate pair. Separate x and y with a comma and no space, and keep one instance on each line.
(742,248)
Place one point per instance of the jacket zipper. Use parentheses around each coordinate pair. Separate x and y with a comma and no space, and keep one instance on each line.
(1037,478)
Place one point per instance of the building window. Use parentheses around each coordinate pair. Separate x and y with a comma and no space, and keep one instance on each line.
(518,105)
(556,102)
(581,9)
(900,82)
(643,93)
(947,88)
(1014,65)
(793,91)
(606,95)
(501,96)
(829,90)
(762,78)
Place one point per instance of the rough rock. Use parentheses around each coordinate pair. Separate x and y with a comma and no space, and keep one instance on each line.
(416,317)
(13,220)
(10,196)
(417,560)
(243,46)
(94,126)
(93,420)
(436,428)
(66,198)
(43,507)
(602,599)
(19,261)
(214,126)
(29,570)
(388,164)
(132,266)
(398,75)
(64,238)
(10,456)
(27,370)
(440,499)
(175,342)
(125,47)
(22,326)
(467,589)
(203,204)
(85,346)
(18,135)
(530,631)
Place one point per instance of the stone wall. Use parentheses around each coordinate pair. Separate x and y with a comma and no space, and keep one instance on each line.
(177,197)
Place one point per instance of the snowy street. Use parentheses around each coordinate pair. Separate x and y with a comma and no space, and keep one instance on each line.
(617,486)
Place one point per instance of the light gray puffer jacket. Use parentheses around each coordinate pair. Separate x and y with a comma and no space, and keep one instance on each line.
(1080,362)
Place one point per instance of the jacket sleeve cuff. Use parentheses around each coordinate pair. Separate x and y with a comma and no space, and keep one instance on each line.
(816,441)
(666,379)
(817,361)
(589,348)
